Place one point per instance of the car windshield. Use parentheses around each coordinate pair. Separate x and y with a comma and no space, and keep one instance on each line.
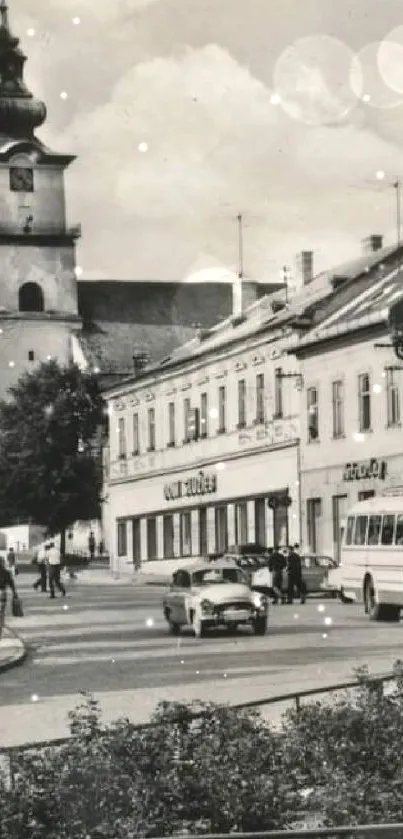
(209,576)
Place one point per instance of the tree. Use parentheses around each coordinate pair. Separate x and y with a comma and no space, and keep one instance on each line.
(49,472)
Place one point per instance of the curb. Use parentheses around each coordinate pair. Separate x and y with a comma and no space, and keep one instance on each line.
(18,658)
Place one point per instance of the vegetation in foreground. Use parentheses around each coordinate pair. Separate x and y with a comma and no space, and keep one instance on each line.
(212,769)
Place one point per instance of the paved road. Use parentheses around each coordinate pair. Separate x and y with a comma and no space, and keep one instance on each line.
(112,641)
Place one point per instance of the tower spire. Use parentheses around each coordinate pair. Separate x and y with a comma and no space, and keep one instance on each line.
(20,111)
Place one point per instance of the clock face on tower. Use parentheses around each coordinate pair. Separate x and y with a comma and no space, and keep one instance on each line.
(21,179)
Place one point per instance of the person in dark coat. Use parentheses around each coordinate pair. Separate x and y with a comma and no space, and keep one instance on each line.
(6,581)
(295,580)
(277,564)
(91,545)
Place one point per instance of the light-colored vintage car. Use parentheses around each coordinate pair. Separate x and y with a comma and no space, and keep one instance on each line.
(206,595)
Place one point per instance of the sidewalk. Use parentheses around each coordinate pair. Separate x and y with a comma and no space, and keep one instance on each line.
(107,577)
(12,650)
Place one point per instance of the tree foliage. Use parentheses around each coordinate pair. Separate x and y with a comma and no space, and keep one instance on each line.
(48,472)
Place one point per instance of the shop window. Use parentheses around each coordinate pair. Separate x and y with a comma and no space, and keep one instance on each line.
(171,424)
(399,530)
(136,542)
(314,514)
(185,523)
(241,403)
(388,530)
(260,521)
(222,409)
(278,392)
(122,538)
(260,411)
(203,542)
(203,415)
(339,504)
(241,523)
(30,298)
(374,529)
(221,529)
(168,536)
(122,447)
(364,401)
(338,408)
(392,398)
(152,538)
(151,429)
(136,435)
(360,534)
(313,414)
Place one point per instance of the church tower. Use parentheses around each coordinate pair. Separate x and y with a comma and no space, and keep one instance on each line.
(38,287)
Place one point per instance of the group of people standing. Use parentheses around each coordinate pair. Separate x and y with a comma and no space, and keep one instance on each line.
(287,561)
(48,561)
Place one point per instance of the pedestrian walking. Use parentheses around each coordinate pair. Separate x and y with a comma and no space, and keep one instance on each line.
(295,579)
(54,565)
(91,545)
(42,580)
(277,564)
(6,581)
(11,562)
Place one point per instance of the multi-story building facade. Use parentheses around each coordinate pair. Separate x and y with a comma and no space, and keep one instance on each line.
(351,410)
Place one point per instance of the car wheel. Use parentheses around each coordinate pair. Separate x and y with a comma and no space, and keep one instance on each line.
(232,628)
(260,625)
(378,611)
(174,628)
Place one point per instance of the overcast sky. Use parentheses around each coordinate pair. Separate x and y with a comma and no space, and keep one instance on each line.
(199,82)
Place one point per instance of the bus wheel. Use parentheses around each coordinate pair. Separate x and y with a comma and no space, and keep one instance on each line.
(378,611)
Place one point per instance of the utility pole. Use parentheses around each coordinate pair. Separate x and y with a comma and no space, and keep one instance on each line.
(240,246)
(397,186)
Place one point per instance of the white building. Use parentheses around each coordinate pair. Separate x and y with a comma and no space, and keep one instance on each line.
(352,409)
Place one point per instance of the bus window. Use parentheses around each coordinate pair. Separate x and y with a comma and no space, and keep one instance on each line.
(374,529)
(360,530)
(399,530)
(388,527)
(350,530)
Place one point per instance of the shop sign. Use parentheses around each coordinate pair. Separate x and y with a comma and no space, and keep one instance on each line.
(201,484)
(373,468)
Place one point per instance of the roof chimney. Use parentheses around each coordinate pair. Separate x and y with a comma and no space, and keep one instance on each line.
(372,243)
(140,361)
(305,267)
(244,294)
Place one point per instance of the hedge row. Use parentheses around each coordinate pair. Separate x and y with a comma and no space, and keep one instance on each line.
(224,771)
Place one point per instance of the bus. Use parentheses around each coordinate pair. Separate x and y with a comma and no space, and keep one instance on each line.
(371,562)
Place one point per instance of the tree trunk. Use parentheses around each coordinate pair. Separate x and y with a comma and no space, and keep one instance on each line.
(62,546)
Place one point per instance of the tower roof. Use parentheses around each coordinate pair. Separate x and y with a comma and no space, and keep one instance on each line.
(20,112)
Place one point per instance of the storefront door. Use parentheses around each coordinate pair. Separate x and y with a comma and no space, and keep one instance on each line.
(203,545)
(136,542)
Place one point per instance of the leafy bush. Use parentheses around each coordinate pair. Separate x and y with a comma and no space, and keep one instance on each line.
(216,773)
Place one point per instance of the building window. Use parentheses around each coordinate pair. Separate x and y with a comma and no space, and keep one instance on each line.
(221,529)
(186,418)
(152,538)
(30,298)
(241,403)
(136,435)
(136,540)
(278,392)
(203,542)
(392,398)
(185,523)
(313,414)
(203,415)
(339,504)
(313,515)
(365,494)
(260,412)
(122,448)
(171,424)
(31,355)
(168,536)
(222,409)
(151,429)
(241,523)
(122,538)
(338,408)
(364,401)
(260,521)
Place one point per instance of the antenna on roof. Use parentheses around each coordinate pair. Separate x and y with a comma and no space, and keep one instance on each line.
(240,246)
(397,185)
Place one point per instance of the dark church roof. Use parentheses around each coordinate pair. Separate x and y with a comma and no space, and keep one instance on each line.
(120,318)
